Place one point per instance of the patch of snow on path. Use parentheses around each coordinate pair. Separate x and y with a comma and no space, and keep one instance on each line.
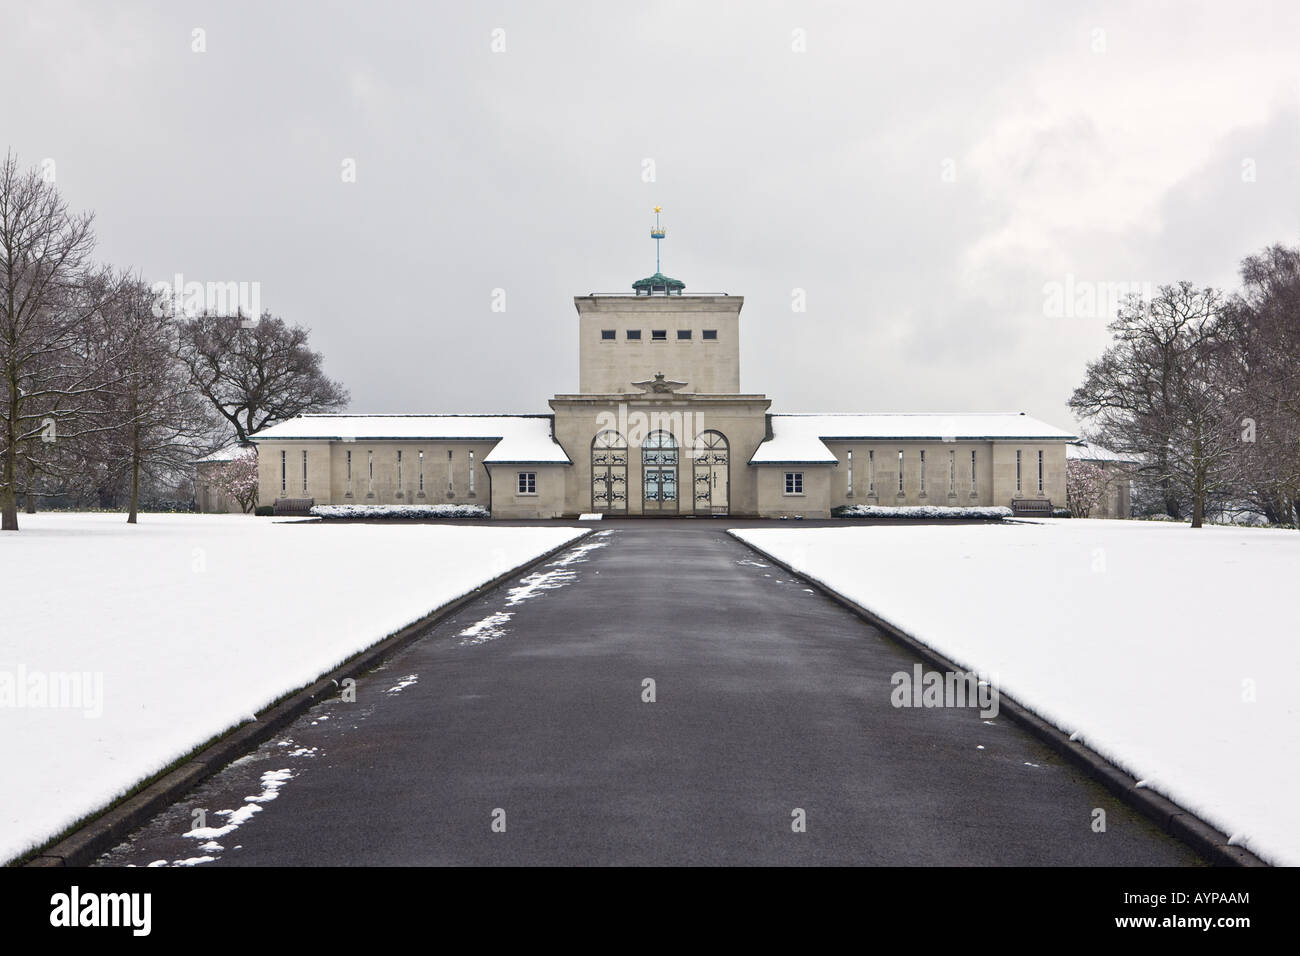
(490,628)
(494,625)
(272,781)
(403,683)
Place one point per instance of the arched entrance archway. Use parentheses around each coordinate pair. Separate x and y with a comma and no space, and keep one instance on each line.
(712,486)
(659,474)
(609,473)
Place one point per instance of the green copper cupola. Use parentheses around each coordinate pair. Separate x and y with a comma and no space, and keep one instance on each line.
(658,284)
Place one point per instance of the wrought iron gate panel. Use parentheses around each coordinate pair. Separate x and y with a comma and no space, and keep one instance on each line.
(659,461)
(609,472)
(712,465)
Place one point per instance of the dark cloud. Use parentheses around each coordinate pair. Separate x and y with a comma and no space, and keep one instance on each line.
(919,172)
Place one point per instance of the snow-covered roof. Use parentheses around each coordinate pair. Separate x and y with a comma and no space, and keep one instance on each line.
(228,453)
(801,438)
(520,438)
(1086,451)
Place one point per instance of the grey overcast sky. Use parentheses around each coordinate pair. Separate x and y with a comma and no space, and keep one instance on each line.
(923,172)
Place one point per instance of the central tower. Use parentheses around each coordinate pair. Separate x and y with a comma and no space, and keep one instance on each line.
(659,425)
(627,339)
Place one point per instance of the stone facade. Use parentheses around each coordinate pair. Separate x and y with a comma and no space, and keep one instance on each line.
(659,426)
(622,339)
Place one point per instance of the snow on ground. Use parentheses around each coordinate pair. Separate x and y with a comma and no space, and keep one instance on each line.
(1147,639)
(410,512)
(557,573)
(925,511)
(184,625)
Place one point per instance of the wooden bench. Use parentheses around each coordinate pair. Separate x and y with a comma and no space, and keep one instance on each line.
(1031,507)
(293,506)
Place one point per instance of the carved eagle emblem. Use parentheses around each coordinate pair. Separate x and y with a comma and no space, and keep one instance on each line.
(659,384)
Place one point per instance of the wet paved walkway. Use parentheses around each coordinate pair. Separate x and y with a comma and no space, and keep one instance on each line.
(525,711)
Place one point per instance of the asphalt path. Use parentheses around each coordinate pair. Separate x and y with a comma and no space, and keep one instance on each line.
(520,731)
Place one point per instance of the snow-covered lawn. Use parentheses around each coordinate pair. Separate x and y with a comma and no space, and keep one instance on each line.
(1170,651)
(184,625)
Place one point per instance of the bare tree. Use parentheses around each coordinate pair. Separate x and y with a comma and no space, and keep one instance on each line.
(256,374)
(44,302)
(1263,328)
(1163,393)
(160,421)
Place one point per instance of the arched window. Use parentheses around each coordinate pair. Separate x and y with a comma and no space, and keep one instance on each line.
(659,473)
(609,472)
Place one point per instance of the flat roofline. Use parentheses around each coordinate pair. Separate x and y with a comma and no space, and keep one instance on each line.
(417,415)
(946,439)
(660,396)
(356,438)
(829,463)
(527,461)
(897,414)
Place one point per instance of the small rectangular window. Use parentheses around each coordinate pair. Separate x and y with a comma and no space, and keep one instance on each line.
(849,458)
(471,473)
(304,472)
(284,473)
(421,462)
(794,482)
(900,471)
(634,335)
(528,482)
(683,334)
(607,335)
(972,472)
(1017,470)
(710,333)
(659,335)
(1040,472)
